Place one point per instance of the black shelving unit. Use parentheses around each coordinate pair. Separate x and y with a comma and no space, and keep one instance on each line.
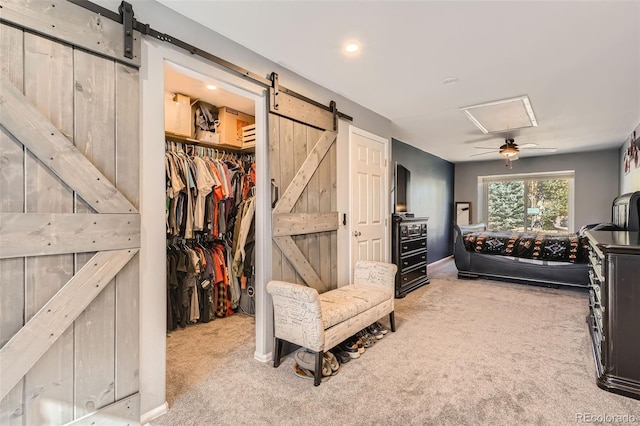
(409,252)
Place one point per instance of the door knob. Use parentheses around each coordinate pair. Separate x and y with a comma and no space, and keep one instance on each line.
(357,233)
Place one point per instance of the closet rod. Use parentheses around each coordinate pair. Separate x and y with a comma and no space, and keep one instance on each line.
(239,155)
(147,30)
(189,141)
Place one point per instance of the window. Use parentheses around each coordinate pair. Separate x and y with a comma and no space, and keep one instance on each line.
(528,202)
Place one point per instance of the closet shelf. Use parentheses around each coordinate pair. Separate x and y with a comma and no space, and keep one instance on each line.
(190,141)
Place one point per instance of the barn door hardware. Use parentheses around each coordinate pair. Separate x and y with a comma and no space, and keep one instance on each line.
(126,12)
(276,89)
(334,110)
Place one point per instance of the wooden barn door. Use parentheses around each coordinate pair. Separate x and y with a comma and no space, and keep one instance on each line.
(69,225)
(302,161)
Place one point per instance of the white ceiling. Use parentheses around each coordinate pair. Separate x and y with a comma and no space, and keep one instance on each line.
(578,61)
(178,79)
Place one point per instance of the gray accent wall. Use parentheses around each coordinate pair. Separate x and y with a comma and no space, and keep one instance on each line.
(596,180)
(430,195)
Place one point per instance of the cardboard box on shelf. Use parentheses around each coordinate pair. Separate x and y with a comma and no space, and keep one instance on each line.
(178,118)
(231,124)
(208,138)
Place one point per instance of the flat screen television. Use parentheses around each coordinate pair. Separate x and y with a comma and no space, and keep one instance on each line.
(402,185)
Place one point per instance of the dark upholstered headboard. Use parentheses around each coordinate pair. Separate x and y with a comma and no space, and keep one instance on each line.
(626,211)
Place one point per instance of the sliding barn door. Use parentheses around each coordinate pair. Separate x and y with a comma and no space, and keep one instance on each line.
(69,225)
(302,161)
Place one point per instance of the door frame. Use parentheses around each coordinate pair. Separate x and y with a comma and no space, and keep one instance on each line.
(385,198)
(152,194)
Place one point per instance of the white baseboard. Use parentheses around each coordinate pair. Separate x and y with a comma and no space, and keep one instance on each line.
(154,414)
(437,262)
(263,357)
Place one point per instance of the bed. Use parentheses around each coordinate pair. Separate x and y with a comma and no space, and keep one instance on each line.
(534,258)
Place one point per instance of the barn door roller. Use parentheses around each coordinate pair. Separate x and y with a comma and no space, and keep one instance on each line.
(334,111)
(276,89)
(126,11)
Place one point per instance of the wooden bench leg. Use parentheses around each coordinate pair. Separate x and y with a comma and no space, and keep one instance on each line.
(277,351)
(392,322)
(317,375)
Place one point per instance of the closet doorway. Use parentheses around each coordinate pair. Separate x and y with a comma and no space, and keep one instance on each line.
(211,186)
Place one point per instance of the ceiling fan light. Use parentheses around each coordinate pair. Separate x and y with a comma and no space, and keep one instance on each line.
(509,151)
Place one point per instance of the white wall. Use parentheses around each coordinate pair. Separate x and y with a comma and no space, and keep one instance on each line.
(152,253)
(629,182)
(596,180)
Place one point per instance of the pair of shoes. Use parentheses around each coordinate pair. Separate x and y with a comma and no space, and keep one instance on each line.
(356,341)
(372,330)
(339,353)
(306,374)
(360,344)
(381,327)
(307,360)
(351,348)
(367,339)
(332,361)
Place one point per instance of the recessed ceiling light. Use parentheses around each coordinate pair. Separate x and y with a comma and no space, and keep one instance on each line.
(211,87)
(352,47)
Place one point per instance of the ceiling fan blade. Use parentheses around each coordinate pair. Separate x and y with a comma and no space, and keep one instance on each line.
(544,149)
(528,145)
(483,153)
(484,147)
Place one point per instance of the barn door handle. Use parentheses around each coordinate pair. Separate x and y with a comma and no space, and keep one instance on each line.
(274,193)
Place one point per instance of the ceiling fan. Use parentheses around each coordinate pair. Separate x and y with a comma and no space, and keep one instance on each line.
(509,150)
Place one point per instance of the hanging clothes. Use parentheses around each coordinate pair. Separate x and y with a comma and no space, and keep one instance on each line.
(209,212)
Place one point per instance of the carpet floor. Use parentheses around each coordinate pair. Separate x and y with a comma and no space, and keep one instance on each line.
(466,352)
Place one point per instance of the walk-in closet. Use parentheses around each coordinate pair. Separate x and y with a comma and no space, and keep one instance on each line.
(210,176)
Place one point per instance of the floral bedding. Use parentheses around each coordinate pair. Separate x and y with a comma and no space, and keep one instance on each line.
(559,248)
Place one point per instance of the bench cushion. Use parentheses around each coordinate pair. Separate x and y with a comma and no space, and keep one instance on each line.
(346,302)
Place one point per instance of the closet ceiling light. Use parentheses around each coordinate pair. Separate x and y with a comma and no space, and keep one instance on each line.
(211,87)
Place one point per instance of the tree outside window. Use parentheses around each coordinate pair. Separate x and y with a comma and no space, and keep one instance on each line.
(535,204)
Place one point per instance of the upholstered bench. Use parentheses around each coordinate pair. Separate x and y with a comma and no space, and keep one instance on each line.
(318,322)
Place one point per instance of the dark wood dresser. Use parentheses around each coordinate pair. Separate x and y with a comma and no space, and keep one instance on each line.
(409,252)
(614,317)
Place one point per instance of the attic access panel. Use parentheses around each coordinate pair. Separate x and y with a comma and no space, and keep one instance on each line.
(502,115)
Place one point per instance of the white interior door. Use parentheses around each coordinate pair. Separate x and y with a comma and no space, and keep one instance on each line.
(369,196)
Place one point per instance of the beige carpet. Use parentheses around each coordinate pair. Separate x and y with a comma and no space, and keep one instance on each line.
(465,352)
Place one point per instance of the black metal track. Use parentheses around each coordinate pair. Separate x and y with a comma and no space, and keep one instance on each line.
(97,9)
(147,30)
